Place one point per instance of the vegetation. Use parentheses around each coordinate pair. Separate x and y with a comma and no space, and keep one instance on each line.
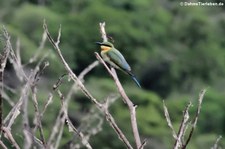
(175,51)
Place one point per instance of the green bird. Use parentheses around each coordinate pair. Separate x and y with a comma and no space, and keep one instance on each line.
(113,57)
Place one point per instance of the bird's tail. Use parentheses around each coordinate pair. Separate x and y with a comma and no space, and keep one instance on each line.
(134,79)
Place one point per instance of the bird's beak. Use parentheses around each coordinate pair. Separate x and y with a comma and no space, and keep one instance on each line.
(99,43)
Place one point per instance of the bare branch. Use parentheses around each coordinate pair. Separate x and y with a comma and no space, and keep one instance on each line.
(48,101)
(131,106)
(71,127)
(113,124)
(69,70)
(194,123)
(143,144)
(87,70)
(9,136)
(3,60)
(61,119)
(3,145)
(182,128)
(15,60)
(166,113)
(38,116)
(40,48)
(103,32)
(215,146)
(125,98)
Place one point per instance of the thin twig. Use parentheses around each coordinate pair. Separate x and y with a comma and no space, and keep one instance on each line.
(40,48)
(182,128)
(47,103)
(9,136)
(143,144)
(15,60)
(38,115)
(3,60)
(69,70)
(194,123)
(103,32)
(215,146)
(59,124)
(125,98)
(166,113)
(71,127)
(3,145)
(87,70)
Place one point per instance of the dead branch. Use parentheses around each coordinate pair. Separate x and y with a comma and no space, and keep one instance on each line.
(40,48)
(7,133)
(179,137)
(169,121)
(3,60)
(182,127)
(59,124)
(3,145)
(215,146)
(38,116)
(194,123)
(131,106)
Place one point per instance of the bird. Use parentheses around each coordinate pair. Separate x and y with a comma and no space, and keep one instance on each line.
(115,59)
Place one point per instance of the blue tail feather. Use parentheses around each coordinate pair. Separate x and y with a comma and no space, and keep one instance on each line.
(133,78)
(136,81)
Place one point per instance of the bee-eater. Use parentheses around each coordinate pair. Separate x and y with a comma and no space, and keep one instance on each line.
(113,57)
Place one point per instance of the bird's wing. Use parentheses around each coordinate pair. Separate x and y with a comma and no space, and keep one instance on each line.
(116,57)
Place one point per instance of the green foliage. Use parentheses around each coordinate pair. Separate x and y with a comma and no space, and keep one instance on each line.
(32,27)
(207,140)
(211,112)
(174,51)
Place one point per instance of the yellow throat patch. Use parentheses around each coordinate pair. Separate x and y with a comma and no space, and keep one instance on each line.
(105,48)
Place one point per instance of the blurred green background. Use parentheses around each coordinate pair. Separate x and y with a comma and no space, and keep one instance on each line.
(175,51)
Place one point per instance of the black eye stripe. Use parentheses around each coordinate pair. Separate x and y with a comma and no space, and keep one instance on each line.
(106,45)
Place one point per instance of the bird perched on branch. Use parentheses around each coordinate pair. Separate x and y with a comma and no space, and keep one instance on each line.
(113,57)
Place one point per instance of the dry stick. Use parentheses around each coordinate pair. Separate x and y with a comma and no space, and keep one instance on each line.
(26,125)
(68,69)
(113,124)
(15,59)
(131,106)
(68,122)
(15,111)
(35,103)
(9,136)
(60,122)
(3,145)
(194,123)
(215,146)
(32,83)
(80,84)
(3,60)
(103,32)
(166,113)
(58,125)
(59,136)
(40,48)
(182,128)
(88,69)
(47,103)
